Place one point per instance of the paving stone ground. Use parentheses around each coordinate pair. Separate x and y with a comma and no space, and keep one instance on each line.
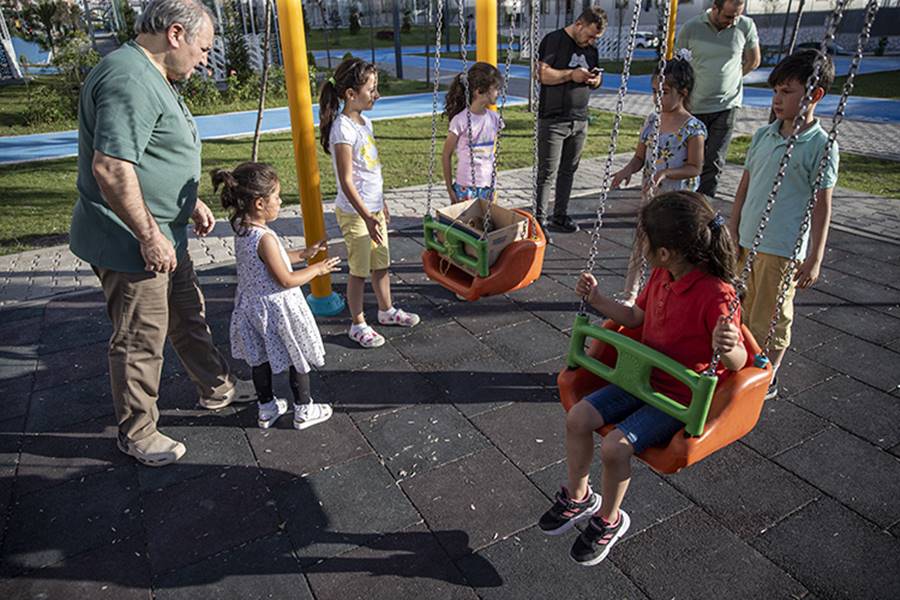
(446,446)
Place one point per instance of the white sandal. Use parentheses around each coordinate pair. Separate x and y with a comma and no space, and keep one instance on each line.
(398,316)
(366,337)
(311,414)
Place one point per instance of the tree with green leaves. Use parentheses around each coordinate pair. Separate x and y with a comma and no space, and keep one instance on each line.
(48,22)
(237,56)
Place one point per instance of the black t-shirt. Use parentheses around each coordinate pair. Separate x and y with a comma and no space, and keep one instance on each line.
(566,101)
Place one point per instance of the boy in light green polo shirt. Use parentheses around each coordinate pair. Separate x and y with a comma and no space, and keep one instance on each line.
(788,81)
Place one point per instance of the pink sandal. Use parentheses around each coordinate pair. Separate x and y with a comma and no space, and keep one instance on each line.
(398,316)
(366,337)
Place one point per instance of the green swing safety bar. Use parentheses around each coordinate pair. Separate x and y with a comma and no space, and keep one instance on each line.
(452,246)
(634,363)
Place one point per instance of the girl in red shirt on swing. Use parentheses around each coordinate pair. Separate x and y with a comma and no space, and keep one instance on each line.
(684,313)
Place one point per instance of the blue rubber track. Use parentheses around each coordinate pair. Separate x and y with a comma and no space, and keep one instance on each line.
(62,144)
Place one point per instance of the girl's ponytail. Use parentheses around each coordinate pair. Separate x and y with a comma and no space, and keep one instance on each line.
(329,104)
(241,188)
(722,259)
(351,74)
(455,100)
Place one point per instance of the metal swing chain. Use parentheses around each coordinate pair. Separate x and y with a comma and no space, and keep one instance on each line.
(869,17)
(503,97)
(613,140)
(535,100)
(741,285)
(656,126)
(650,167)
(434,103)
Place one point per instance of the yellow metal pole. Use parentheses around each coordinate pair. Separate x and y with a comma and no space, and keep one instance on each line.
(670,42)
(323,301)
(486,31)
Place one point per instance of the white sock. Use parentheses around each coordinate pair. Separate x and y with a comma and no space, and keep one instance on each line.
(357,326)
(387,313)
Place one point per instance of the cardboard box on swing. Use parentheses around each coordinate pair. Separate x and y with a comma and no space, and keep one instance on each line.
(507,227)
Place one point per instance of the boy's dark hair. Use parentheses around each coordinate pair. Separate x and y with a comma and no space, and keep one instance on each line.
(240,189)
(482,76)
(351,74)
(799,66)
(679,75)
(685,223)
(594,16)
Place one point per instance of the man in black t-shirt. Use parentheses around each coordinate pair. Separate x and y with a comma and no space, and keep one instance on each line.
(568,71)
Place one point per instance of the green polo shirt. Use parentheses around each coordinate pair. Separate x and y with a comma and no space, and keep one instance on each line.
(128,110)
(763,157)
(717,58)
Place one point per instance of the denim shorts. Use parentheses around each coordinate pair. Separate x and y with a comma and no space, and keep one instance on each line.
(468,192)
(643,425)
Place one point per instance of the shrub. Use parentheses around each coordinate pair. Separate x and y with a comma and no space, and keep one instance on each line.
(355,25)
(48,105)
(406,27)
(75,58)
(200,92)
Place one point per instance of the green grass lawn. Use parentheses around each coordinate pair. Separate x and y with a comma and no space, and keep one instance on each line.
(862,173)
(14,99)
(885,84)
(36,204)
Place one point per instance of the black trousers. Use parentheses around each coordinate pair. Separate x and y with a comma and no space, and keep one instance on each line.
(719,127)
(262,381)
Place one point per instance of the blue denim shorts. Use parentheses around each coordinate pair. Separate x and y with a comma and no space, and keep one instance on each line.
(643,425)
(468,192)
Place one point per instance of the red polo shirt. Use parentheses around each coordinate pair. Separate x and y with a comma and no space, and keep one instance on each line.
(679,319)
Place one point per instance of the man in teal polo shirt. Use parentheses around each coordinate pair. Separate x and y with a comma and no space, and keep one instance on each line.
(724,48)
(138,172)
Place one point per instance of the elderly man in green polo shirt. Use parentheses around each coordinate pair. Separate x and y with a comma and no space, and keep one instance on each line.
(138,172)
(724,48)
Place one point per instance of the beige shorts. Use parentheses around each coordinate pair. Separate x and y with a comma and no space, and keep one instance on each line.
(758,305)
(363,255)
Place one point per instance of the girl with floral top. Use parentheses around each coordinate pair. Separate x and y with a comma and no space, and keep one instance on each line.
(680,156)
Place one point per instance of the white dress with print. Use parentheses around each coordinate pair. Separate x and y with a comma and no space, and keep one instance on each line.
(270,323)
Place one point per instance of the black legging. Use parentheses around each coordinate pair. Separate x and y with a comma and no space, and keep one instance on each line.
(262,381)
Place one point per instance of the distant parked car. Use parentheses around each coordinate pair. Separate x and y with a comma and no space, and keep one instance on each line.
(831,48)
(646,39)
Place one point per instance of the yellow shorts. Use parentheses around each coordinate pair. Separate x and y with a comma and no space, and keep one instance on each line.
(758,305)
(363,255)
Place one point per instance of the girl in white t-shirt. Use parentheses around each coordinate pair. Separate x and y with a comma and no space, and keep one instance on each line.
(359,207)
(475,156)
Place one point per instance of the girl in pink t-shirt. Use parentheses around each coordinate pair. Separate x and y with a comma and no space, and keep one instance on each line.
(475,153)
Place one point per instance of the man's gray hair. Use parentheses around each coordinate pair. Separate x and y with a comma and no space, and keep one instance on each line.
(159,15)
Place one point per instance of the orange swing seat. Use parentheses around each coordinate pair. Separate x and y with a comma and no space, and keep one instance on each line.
(735,409)
(518,266)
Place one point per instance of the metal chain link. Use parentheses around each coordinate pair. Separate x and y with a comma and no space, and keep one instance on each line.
(831,25)
(869,17)
(613,141)
(650,167)
(434,103)
(655,128)
(535,101)
(503,97)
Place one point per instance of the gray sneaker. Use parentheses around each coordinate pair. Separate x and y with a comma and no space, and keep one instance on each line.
(242,391)
(155,450)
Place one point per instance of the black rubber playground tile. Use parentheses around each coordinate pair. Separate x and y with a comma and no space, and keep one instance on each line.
(421,438)
(859,475)
(799,372)
(264,568)
(58,407)
(68,519)
(729,484)
(430,349)
(404,564)
(871,325)
(807,333)
(337,509)
(527,343)
(119,570)
(51,458)
(834,552)
(532,435)
(531,564)
(867,362)
(14,396)
(205,516)
(379,389)
(487,314)
(692,556)
(483,494)
(782,425)
(66,367)
(295,453)
(856,407)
